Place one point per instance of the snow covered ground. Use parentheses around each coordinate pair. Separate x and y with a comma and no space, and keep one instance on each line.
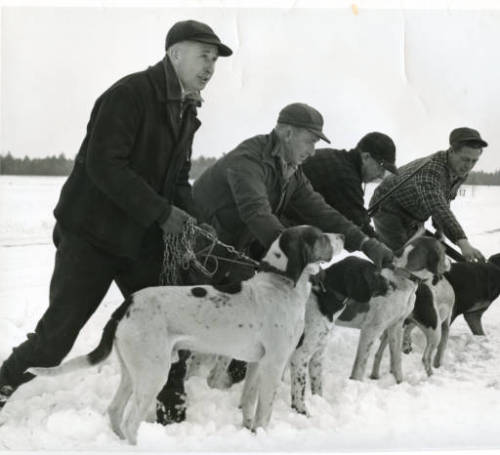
(457,408)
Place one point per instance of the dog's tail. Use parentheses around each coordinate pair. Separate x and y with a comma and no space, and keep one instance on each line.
(100,353)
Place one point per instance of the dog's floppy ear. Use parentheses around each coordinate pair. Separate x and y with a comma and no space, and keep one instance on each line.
(377,283)
(298,249)
(428,253)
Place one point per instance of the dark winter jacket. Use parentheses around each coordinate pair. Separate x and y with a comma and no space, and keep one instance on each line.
(133,163)
(336,175)
(244,193)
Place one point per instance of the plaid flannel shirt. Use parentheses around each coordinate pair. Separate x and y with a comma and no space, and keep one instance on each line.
(428,193)
(336,175)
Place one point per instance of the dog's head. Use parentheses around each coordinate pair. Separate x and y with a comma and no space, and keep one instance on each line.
(424,257)
(301,246)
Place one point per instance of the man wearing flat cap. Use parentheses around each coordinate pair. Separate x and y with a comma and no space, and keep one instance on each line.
(245,194)
(339,175)
(424,188)
(129,185)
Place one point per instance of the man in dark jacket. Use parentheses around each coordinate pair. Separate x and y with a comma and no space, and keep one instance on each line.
(128,186)
(423,189)
(246,192)
(338,175)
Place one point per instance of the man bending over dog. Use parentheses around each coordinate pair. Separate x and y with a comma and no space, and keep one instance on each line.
(425,188)
(128,187)
(338,175)
(246,192)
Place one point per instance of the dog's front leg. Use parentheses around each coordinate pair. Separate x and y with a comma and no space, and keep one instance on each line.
(248,400)
(270,378)
(366,339)
(432,339)
(384,339)
(445,331)
(316,371)
(298,379)
(395,335)
(407,345)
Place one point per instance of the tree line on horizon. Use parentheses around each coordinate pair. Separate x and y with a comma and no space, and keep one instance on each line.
(60,166)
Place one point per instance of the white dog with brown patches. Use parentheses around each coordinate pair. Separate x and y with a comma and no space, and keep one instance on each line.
(260,323)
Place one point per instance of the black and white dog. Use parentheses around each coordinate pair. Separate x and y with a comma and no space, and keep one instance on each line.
(468,288)
(383,301)
(260,323)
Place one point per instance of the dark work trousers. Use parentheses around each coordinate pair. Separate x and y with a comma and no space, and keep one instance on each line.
(82,275)
(394,230)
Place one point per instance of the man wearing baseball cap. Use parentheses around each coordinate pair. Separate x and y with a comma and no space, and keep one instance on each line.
(129,186)
(338,175)
(423,189)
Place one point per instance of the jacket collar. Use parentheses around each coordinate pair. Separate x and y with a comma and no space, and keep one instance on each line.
(276,154)
(166,83)
(354,156)
(175,90)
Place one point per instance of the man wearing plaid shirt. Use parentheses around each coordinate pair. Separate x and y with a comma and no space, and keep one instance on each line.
(338,175)
(431,183)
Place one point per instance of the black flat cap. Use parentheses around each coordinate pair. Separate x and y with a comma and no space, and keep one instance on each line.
(465,135)
(195,31)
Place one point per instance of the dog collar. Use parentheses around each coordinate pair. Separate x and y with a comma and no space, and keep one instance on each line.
(406,274)
(264,266)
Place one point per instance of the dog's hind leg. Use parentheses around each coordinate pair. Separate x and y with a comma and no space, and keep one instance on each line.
(121,398)
(248,400)
(445,331)
(395,335)
(148,363)
(219,378)
(473,320)
(384,339)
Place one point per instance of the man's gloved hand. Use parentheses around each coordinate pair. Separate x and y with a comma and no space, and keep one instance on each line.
(381,255)
(176,222)
(470,253)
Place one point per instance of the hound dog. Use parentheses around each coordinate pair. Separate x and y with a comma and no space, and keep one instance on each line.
(350,279)
(260,322)
(468,288)
(421,260)
(432,314)
(476,286)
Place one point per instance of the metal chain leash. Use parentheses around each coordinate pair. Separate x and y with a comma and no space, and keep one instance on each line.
(229,248)
(178,253)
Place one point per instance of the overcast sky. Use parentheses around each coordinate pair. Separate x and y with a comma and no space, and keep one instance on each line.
(413,74)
